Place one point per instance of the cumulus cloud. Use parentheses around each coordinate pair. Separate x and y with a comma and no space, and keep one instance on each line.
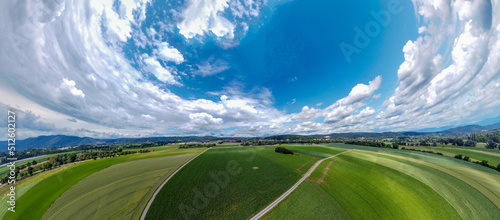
(342,108)
(69,85)
(70,73)
(169,54)
(211,67)
(436,93)
(202,17)
(64,61)
(153,66)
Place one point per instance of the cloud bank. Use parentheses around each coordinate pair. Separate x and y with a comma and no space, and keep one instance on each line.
(64,68)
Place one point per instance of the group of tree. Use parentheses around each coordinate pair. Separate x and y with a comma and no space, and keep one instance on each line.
(482,163)
(61,159)
(371,143)
(262,142)
(492,145)
(283,150)
(32,152)
(461,157)
(207,145)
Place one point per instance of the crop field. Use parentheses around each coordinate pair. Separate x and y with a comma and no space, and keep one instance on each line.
(394,184)
(159,148)
(229,183)
(36,201)
(117,192)
(320,151)
(475,153)
(24,185)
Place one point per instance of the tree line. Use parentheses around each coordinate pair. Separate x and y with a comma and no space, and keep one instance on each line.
(61,159)
(184,146)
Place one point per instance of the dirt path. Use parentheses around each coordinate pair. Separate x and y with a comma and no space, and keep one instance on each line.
(289,191)
(325,171)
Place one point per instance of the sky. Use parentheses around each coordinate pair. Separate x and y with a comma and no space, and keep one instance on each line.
(142,68)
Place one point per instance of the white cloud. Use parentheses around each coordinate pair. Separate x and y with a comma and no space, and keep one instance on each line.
(64,62)
(432,93)
(169,54)
(362,91)
(164,75)
(202,121)
(69,85)
(342,108)
(118,23)
(211,67)
(202,16)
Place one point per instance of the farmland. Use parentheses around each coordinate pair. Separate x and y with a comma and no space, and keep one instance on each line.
(234,182)
(476,153)
(394,184)
(35,202)
(117,192)
(229,183)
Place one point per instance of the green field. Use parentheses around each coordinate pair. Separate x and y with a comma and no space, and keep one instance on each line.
(36,201)
(26,184)
(315,151)
(394,184)
(117,192)
(475,153)
(255,177)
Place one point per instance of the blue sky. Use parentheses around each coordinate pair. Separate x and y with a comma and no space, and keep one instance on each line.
(129,68)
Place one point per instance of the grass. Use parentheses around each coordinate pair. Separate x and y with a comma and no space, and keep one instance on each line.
(466,197)
(308,201)
(316,151)
(360,189)
(263,176)
(427,157)
(34,203)
(24,185)
(117,192)
(478,154)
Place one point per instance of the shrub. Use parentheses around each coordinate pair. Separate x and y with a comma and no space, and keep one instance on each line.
(283,150)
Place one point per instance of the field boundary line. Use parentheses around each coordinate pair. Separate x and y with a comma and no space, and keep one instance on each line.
(289,191)
(143,216)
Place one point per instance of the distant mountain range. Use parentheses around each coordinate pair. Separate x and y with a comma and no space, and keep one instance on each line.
(470,129)
(64,141)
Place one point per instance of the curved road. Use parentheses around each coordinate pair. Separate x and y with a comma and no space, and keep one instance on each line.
(164,182)
(284,195)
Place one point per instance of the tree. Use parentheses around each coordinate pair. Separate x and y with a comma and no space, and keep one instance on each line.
(30,171)
(34,162)
(491,145)
(283,150)
(484,163)
(395,146)
(470,143)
